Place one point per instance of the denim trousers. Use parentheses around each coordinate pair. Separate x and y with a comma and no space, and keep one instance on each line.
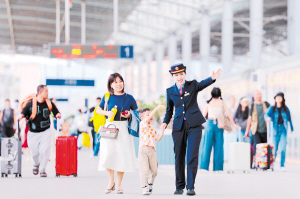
(213,137)
(280,139)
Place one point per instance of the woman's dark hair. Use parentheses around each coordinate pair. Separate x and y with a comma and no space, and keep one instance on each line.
(113,78)
(215,93)
(282,105)
(239,111)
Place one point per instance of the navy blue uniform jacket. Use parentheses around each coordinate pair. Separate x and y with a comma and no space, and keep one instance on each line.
(186,105)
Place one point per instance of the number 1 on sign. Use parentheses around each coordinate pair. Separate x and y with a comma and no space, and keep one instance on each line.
(127,51)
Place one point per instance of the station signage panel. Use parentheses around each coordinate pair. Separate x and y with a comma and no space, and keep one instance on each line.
(69,82)
(90,51)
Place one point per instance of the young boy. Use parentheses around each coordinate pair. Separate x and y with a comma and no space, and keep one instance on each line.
(147,153)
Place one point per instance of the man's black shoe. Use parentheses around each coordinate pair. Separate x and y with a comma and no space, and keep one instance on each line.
(190,192)
(178,192)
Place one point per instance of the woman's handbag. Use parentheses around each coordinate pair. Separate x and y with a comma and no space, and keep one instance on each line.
(111,133)
(223,121)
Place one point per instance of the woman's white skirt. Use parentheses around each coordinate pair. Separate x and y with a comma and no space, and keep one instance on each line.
(118,154)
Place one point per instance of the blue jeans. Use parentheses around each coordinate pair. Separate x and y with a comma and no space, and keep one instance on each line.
(281,139)
(97,144)
(213,137)
(247,139)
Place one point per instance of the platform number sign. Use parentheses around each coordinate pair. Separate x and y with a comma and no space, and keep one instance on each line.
(126,51)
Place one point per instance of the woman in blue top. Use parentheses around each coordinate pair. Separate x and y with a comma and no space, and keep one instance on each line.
(117,154)
(280,115)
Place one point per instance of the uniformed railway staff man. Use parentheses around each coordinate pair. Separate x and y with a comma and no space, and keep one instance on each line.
(187,125)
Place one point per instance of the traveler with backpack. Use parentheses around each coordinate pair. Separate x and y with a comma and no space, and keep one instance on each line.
(8,120)
(37,110)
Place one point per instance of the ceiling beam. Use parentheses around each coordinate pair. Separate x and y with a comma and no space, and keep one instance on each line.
(11,28)
(93,26)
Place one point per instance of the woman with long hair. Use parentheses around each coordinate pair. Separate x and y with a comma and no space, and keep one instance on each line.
(213,136)
(117,154)
(280,115)
(241,117)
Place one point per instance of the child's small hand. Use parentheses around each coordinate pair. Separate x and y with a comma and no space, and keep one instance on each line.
(161,107)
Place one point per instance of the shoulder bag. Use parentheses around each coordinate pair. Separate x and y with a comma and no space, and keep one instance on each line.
(223,121)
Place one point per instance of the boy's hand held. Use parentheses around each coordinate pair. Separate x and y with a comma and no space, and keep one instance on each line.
(163,127)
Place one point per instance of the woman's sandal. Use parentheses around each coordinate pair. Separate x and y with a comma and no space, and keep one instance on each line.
(35,170)
(44,174)
(110,190)
(120,191)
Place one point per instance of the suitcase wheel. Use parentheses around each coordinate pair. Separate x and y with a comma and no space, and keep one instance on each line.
(57,175)
(75,175)
(16,175)
(20,176)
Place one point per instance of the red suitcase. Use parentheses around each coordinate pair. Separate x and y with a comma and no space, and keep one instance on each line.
(66,156)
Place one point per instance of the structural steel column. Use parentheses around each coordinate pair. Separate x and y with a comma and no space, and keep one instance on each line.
(256,32)
(148,59)
(116,19)
(83,23)
(57,38)
(172,50)
(227,36)
(159,64)
(293,26)
(187,48)
(67,21)
(205,43)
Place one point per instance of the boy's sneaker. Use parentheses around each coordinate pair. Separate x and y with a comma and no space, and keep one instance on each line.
(150,187)
(146,191)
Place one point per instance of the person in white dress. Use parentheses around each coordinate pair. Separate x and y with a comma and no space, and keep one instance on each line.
(117,154)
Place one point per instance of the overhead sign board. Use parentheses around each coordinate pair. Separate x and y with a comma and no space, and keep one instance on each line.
(69,82)
(90,51)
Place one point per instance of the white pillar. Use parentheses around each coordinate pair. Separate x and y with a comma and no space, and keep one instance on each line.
(67,22)
(159,64)
(187,49)
(116,19)
(293,26)
(140,71)
(57,38)
(256,32)
(227,36)
(172,50)
(205,44)
(148,59)
(83,23)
